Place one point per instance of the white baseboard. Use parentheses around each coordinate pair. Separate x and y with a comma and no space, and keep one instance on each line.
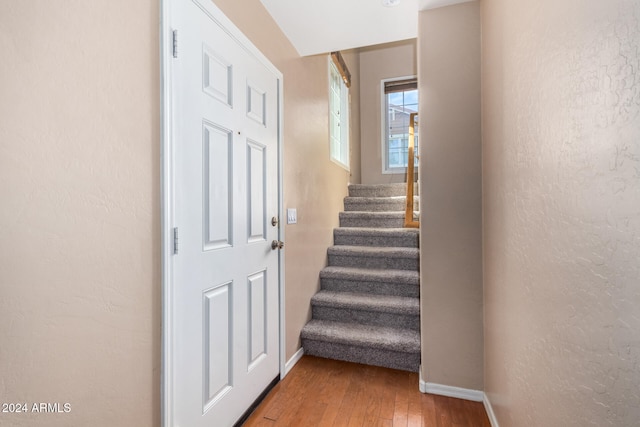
(450,391)
(422,383)
(460,393)
(487,407)
(292,362)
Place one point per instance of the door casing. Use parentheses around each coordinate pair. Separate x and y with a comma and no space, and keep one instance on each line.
(168,190)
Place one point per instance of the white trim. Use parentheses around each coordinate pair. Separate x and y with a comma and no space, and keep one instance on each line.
(450,391)
(487,407)
(422,384)
(167,179)
(166,216)
(281,222)
(460,393)
(292,362)
(457,392)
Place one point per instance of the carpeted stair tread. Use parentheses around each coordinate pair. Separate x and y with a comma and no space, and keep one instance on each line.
(372,236)
(374,257)
(408,277)
(377,204)
(367,214)
(399,340)
(376,199)
(378,190)
(377,231)
(405,283)
(367,302)
(371,219)
(374,252)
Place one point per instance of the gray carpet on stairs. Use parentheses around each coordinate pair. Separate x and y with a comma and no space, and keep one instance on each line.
(363,236)
(374,257)
(372,219)
(371,281)
(377,204)
(368,308)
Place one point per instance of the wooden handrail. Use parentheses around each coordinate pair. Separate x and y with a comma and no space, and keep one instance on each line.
(409,222)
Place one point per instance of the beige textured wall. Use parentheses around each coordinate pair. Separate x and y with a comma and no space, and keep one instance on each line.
(80,211)
(377,63)
(313,183)
(561,134)
(450,187)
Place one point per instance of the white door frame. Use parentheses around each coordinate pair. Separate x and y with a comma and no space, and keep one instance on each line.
(168,191)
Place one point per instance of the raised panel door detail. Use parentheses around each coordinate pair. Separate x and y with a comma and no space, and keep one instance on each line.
(217,76)
(217,186)
(224,301)
(256,191)
(256,104)
(217,344)
(257,317)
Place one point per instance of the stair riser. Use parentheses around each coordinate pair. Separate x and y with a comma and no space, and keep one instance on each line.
(374,262)
(368,356)
(354,221)
(393,320)
(389,206)
(405,241)
(377,288)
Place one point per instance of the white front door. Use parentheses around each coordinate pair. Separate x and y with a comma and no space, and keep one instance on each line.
(224,308)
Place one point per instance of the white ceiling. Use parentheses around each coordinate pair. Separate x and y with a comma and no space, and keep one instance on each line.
(321,26)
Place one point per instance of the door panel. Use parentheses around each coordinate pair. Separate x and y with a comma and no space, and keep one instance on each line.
(257,186)
(217,75)
(217,343)
(225,294)
(256,104)
(218,181)
(257,317)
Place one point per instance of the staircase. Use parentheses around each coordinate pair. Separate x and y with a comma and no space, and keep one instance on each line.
(368,309)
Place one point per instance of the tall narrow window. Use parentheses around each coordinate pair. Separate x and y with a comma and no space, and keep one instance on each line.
(338,117)
(400,99)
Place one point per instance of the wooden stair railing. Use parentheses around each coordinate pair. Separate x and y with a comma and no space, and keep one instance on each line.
(409,221)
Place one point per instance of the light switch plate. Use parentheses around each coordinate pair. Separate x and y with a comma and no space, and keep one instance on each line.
(292,216)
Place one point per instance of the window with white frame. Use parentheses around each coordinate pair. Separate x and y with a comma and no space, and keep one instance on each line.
(338,116)
(400,99)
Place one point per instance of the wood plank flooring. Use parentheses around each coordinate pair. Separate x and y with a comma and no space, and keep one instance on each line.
(322,392)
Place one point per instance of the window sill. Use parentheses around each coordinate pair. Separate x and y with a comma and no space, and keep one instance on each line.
(342,165)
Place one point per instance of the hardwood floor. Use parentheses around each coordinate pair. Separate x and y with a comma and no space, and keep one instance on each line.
(323,392)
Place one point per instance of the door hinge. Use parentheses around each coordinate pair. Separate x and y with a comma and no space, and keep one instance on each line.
(175,43)
(175,240)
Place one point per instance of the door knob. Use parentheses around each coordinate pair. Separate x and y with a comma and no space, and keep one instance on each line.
(274,221)
(277,244)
